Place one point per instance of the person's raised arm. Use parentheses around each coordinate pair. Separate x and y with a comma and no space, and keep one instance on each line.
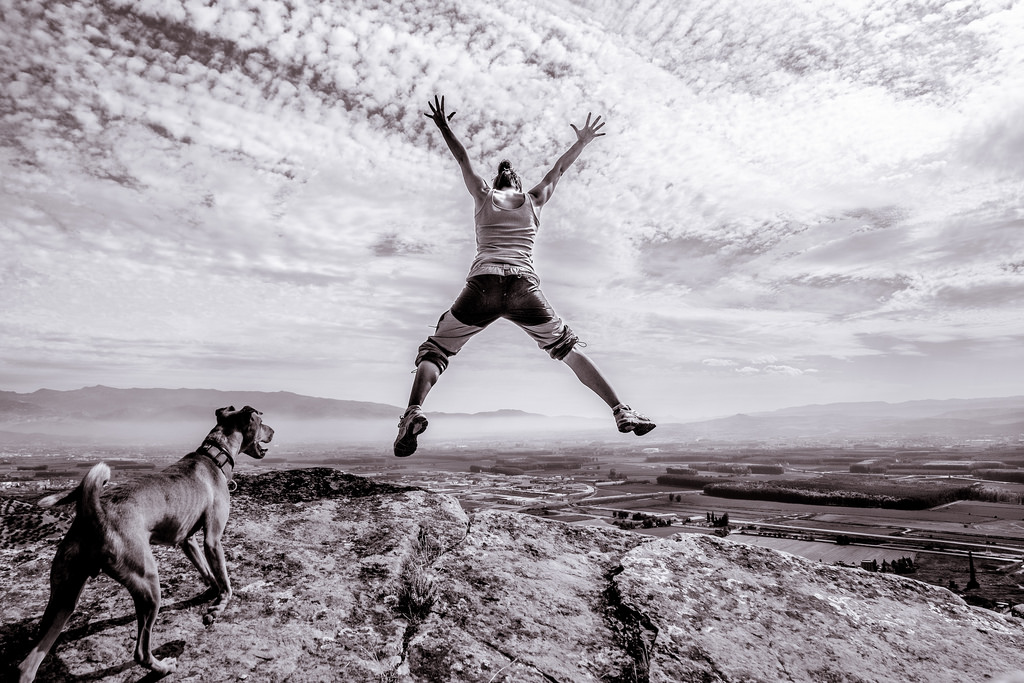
(584,136)
(476,185)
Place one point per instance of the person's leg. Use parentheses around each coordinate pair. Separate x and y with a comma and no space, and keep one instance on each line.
(470,314)
(529,308)
(427,373)
(591,377)
(626,419)
(472,311)
(532,312)
(413,422)
(431,361)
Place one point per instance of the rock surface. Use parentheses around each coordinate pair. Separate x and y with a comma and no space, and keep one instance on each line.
(339,578)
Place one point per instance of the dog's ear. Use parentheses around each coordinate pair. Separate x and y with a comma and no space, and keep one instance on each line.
(250,409)
(222,413)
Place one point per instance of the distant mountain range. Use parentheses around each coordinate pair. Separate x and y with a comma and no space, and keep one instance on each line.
(958,419)
(106,403)
(104,414)
(46,411)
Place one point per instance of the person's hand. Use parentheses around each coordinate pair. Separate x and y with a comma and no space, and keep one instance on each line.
(437,112)
(589,130)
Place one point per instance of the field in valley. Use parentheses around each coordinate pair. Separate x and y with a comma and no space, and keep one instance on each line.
(594,483)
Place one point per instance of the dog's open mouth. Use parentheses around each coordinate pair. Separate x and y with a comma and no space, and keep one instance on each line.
(260,446)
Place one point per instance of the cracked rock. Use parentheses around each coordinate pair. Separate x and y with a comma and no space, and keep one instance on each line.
(338,577)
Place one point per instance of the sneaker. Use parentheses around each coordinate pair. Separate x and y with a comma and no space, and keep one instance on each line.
(411,424)
(628,420)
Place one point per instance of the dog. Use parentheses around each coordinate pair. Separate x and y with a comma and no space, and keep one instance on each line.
(113,529)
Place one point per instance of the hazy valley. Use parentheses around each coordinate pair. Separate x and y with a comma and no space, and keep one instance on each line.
(508,537)
(955,469)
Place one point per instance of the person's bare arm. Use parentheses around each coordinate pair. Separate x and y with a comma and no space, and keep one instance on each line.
(476,185)
(584,136)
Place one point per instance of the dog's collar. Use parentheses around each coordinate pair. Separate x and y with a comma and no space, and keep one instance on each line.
(219,456)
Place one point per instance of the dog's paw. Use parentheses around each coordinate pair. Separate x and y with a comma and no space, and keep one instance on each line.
(212,615)
(164,666)
(216,609)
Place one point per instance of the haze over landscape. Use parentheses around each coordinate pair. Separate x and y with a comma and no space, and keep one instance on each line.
(794,204)
(149,416)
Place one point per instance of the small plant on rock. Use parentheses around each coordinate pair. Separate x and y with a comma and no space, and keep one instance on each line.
(416,591)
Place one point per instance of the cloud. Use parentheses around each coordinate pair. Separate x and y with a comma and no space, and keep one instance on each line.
(779,370)
(786,370)
(780,186)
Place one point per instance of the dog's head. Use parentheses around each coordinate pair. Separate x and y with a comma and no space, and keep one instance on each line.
(249,423)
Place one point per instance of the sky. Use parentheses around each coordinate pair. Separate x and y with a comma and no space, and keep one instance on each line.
(794,203)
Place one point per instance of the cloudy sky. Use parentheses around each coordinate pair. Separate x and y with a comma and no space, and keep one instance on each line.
(801,202)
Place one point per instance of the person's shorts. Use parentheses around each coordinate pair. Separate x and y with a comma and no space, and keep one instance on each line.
(486,298)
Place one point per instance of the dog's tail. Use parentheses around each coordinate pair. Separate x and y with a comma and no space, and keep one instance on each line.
(62,498)
(89,500)
(86,495)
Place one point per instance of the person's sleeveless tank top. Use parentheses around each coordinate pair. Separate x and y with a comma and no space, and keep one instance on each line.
(504,238)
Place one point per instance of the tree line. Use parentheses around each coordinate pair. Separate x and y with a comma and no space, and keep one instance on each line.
(849,492)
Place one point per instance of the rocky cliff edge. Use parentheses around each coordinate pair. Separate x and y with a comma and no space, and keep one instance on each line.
(339,578)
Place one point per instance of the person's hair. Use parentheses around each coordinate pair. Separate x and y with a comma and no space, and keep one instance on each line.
(505,167)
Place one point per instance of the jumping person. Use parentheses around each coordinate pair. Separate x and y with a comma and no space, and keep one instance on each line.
(502,283)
